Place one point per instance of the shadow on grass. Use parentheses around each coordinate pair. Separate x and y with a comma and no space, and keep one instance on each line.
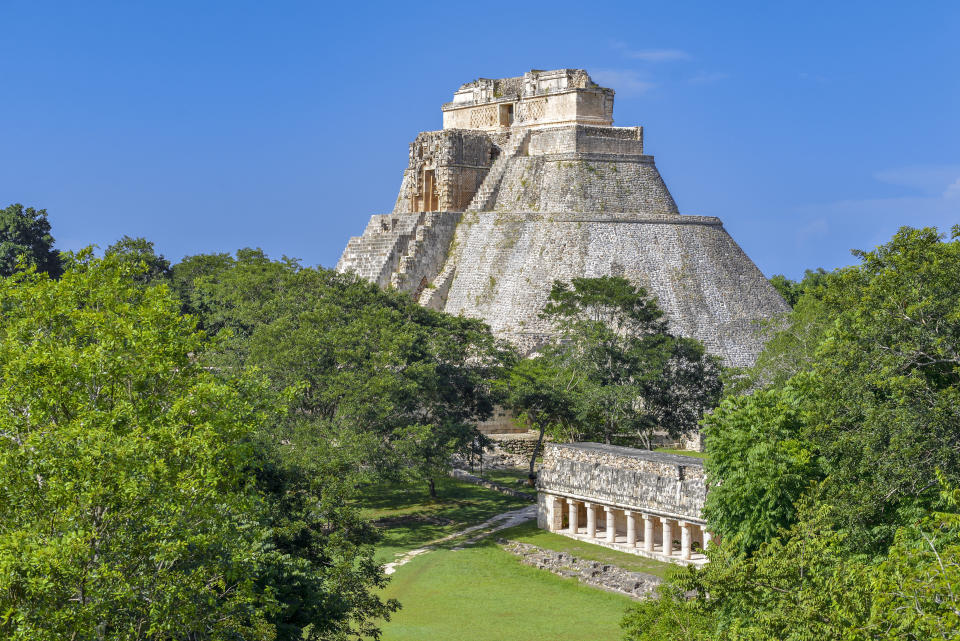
(457,506)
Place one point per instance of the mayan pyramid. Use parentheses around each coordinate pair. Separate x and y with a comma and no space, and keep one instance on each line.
(529,182)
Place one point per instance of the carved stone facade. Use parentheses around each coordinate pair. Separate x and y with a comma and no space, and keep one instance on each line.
(528,182)
(445,170)
(637,501)
(536,99)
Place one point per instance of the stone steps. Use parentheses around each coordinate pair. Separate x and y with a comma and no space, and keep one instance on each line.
(376,254)
(486,195)
(425,254)
(435,297)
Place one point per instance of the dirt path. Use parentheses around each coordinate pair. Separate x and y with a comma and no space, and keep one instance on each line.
(488,527)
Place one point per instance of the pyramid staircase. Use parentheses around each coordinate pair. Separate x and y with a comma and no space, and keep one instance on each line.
(426,252)
(487,194)
(376,254)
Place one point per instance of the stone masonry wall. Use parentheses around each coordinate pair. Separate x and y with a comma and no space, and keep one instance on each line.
(578,199)
(405,250)
(503,265)
(579,183)
(636,585)
(426,254)
(655,482)
(376,254)
(625,141)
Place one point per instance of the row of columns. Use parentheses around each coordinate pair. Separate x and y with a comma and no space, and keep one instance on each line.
(610,533)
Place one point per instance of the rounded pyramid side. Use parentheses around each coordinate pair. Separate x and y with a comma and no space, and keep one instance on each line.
(504,264)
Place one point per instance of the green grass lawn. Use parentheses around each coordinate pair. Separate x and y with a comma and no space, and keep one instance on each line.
(462,504)
(692,453)
(530,533)
(483,593)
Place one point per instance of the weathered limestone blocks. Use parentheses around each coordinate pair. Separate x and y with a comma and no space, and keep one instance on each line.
(405,251)
(576,184)
(445,170)
(620,141)
(599,493)
(639,480)
(503,265)
(536,99)
(637,585)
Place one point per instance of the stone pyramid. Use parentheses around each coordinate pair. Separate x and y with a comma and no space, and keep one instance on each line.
(529,182)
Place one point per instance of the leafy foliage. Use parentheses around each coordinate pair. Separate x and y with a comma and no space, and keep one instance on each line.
(152,267)
(829,486)
(758,450)
(184,275)
(633,377)
(397,386)
(541,392)
(25,241)
(139,498)
(791,290)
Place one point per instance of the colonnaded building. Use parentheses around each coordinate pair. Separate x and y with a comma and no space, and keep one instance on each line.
(529,182)
(636,501)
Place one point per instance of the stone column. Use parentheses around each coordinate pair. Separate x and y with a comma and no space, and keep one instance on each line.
(707,537)
(667,537)
(611,518)
(684,540)
(556,513)
(648,532)
(631,528)
(591,519)
(572,515)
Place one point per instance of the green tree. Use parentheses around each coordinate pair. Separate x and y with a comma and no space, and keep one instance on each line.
(140,251)
(796,588)
(875,392)
(636,378)
(792,290)
(824,484)
(806,584)
(399,386)
(760,465)
(25,241)
(184,275)
(540,390)
(135,501)
(915,589)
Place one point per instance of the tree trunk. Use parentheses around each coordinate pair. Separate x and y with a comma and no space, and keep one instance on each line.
(536,450)
(433,488)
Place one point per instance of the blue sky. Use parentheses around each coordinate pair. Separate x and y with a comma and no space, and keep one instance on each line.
(810,128)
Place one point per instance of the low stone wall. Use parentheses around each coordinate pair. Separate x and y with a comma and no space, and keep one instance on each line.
(522,443)
(636,585)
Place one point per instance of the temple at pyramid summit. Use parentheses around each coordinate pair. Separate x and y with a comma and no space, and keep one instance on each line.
(529,182)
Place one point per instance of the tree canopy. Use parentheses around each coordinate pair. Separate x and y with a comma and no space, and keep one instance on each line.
(142,495)
(25,241)
(139,251)
(398,386)
(833,487)
(633,377)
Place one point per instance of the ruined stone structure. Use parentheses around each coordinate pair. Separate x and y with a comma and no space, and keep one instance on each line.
(529,182)
(636,501)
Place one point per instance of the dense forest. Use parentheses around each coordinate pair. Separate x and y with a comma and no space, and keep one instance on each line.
(181,444)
